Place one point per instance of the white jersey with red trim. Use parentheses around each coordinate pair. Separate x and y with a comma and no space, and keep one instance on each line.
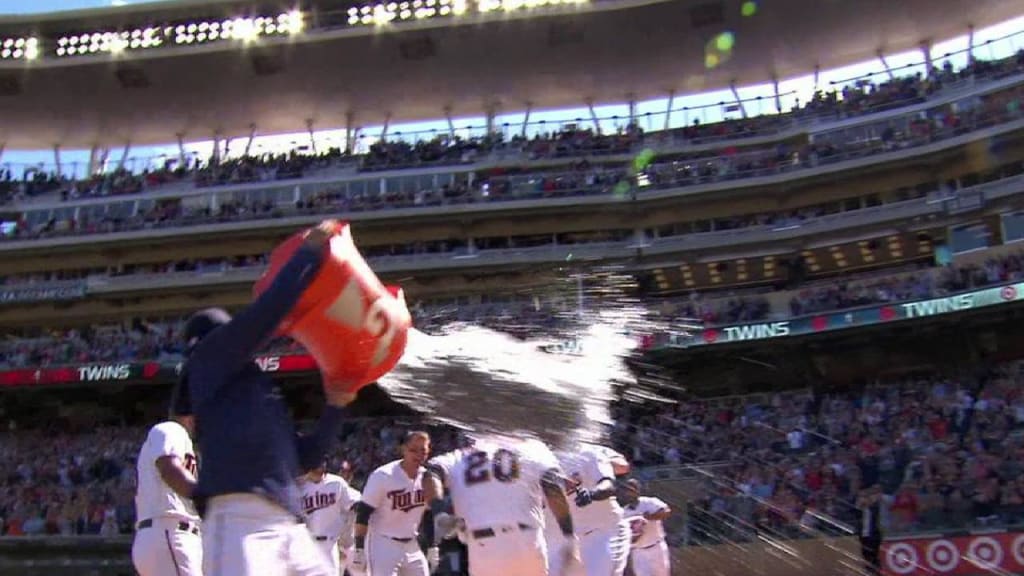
(585,470)
(397,500)
(153,497)
(497,483)
(326,505)
(645,532)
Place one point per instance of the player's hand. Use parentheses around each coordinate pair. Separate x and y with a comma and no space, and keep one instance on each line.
(358,563)
(583,497)
(433,558)
(319,236)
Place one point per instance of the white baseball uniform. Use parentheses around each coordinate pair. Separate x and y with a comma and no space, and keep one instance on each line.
(649,549)
(600,526)
(392,547)
(496,490)
(326,505)
(167,541)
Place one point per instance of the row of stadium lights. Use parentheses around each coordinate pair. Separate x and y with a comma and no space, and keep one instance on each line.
(385,13)
(240,29)
(249,29)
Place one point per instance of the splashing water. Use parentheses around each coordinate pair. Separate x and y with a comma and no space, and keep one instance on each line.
(493,383)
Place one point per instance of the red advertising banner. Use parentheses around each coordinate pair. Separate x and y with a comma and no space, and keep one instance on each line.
(999,553)
(134,372)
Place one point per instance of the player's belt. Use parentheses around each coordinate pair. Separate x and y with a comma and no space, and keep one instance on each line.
(491,532)
(321,538)
(182,526)
(651,546)
(402,540)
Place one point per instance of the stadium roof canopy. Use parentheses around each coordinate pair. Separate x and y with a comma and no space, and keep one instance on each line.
(607,51)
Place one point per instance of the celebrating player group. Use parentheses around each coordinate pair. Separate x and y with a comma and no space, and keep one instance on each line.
(262,502)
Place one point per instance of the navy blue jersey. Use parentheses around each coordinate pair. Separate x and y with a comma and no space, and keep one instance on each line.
(245,434)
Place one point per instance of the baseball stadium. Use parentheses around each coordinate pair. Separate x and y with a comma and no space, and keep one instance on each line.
(765,252)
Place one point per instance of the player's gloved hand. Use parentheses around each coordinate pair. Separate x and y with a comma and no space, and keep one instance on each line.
(583,497)
(357,564)
(433,558)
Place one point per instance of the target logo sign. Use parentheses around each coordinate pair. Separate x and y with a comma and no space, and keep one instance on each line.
(943,556)
(986,551)
(901,559)
(998,553)
(1017,549)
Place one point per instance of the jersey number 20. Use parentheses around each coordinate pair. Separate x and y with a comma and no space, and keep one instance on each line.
(503,468)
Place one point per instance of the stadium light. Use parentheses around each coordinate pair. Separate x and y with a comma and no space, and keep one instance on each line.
(19,48)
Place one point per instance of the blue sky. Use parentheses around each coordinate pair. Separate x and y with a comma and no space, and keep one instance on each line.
(997,41)
(39,6)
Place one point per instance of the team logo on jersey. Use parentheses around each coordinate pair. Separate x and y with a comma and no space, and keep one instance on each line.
(406,500)
(318,501)
(192,465)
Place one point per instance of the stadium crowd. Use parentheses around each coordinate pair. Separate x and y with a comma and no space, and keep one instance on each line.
(585,177)
(945,450)
(69,482)
(158,340)
(568,141)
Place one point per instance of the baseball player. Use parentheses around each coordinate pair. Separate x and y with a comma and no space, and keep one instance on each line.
(246,492)
(600,526)
(499,490)
(389,515)
(326,501)
(167,540)
(645,515)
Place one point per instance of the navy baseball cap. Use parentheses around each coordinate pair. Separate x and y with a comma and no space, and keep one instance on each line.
(202,323)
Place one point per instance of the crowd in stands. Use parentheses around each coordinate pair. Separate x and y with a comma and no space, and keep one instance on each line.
(60,482)
(525,317)
(571,140)
(946,452)
(670,170)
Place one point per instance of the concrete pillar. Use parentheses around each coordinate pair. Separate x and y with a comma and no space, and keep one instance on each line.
(124,157)
(736,96)
(888,70)
(926,51)
(970,44)
(448,117)
(101,162)
(593,116)
(56,160)
(181,149)
(492,113)
(387,124)
(631,98)
(668,108)
(248,143)
(309,129)
(90,168)
(778,97)
(817,77)
(526,118)
(215,159)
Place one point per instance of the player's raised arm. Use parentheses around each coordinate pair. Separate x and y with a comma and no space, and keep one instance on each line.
(312,448)
(222,345)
